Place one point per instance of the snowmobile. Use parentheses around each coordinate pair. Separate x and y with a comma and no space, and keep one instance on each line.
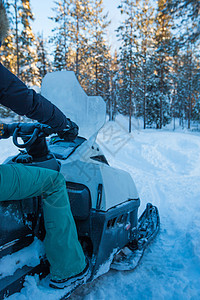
(104,200)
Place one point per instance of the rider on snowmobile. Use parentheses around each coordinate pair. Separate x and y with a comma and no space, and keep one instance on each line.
(63,250)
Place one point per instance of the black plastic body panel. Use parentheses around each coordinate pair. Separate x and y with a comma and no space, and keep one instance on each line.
(109,231)
(80,200)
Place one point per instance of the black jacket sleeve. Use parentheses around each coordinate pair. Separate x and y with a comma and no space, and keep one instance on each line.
(15,95)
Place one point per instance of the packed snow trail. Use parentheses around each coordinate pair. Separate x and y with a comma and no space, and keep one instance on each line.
(165,168)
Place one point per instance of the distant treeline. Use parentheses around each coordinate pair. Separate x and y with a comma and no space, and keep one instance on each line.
(154,74)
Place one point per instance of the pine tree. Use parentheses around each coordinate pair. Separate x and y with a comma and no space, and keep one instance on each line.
(19,51)
(99,49)
(185,75)
(162,55)
(43,63)
(187,16)
(192,84)
(113,99)
(71,35)
(60,39)
(99,58)
(79,39)
(196,87)
(178,89)
(8,53)
(80,34)
(126,33)
(144,24)
(10,48)
(28,57)
(124,82)
(187,13)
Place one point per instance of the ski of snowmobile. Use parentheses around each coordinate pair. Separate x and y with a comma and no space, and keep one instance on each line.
(130,256)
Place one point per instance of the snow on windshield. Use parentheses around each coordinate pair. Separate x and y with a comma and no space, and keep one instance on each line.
(63,89)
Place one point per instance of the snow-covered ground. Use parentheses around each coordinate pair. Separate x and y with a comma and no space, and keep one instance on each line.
(165,166)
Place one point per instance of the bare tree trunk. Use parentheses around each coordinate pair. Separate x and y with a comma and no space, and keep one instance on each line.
(144,105)
(17,37)
(190,90)
(130,96)
(130,110)
(96,75)
(65,37)
(174,111)
(77,49)
(17,44)
(161,100)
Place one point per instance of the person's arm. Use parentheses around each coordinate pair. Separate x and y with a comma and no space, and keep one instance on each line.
(15,95)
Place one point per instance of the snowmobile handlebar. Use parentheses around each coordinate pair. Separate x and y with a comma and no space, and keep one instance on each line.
(29,142)
(27,131)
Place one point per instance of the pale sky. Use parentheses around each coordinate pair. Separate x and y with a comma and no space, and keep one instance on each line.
(42,9)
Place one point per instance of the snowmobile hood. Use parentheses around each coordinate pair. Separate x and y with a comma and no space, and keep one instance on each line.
(63,89)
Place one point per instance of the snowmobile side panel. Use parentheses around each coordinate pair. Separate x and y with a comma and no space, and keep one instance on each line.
(148,227)
(80,200)
(109,231)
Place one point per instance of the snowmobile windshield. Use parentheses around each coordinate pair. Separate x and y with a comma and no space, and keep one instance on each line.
(63,90)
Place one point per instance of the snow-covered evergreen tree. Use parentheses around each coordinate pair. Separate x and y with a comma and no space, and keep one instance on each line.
(60,38)
(128,59)
(28,71)
(187,13)
(8,53)
(163,47)
(185,78)
(80,22)
(196,87)
(145,30)
(9,50)
(192,82)
(114,90)
(99,59)
(71,35)
(43,63)
(81,45)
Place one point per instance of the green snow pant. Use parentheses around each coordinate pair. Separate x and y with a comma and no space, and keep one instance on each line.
(62,247)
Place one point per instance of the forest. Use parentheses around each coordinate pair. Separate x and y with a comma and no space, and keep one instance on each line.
(153,75)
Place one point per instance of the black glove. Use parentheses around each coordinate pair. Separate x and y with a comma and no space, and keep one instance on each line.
(70,133)
(4,133)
